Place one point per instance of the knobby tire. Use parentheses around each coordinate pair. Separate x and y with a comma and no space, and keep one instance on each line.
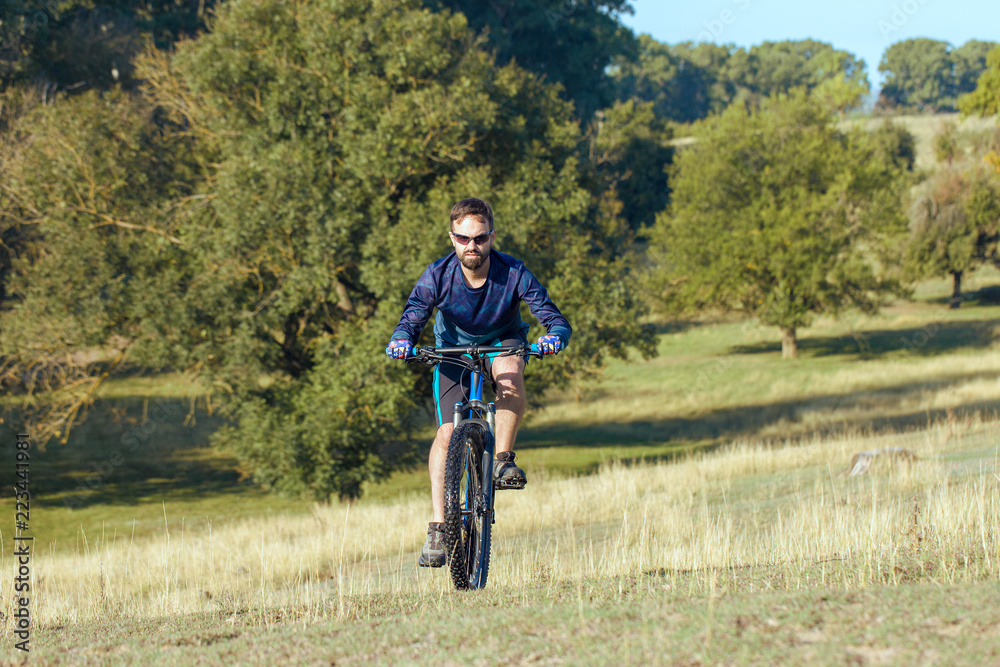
(467,542)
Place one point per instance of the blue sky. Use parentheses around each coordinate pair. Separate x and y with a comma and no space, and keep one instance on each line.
(863,27)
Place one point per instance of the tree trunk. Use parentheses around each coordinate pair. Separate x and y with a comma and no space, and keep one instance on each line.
(956,292)
(789,346)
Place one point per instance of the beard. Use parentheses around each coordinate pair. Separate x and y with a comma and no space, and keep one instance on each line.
(473,260)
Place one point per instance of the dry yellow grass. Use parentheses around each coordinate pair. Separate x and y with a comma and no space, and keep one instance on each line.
(746,506)
(879,379)
(926,127)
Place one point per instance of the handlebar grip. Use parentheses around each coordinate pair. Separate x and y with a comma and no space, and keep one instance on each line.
(533,348)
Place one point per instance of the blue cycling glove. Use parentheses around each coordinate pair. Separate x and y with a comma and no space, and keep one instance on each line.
(399,349)
(550,344)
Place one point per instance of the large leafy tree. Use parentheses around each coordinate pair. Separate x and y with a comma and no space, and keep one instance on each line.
(918,75)
(985,99)
(570,42)
(928,75)
(688,81)
(777,67)
(969,62)
(310,153)
(685,82)
(83,44)
(777,214)
(954,225)
(97,186)
(630,152)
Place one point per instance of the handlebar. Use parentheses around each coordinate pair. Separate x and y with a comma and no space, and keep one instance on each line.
(431,355)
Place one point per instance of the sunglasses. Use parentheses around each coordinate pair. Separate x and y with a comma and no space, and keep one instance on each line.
(464,240)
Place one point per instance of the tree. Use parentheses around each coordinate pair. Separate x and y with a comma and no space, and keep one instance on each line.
(78,45)
(947,143)
(777,214)
(685,82)
(777,67)
(925,74)
(969,61)
(688,81)
(954,225)
(568,42)
(299,162)
(96,189)
(918,75)
(630,149)
(985,99)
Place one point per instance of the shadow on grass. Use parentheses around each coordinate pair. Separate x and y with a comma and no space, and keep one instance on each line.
(675,326)
(718,426)
(932,339)
(987,296)
(117,457)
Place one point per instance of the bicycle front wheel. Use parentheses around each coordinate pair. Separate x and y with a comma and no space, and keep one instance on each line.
(468,519)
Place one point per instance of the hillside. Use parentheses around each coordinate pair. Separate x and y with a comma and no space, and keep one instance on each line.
(740,534)
(925,127)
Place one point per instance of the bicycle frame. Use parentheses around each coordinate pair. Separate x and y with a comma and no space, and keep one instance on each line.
(477,504)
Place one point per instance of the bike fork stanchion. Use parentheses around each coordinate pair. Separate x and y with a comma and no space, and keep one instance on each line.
(489,455)
(470,486)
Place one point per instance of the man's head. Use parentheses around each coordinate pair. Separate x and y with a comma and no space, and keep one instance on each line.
(472,231)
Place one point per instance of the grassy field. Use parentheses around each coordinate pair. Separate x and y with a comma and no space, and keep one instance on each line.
(736,539)
(926,127)
(974,132)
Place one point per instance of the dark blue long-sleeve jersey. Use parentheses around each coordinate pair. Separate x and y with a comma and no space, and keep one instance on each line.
(469,316)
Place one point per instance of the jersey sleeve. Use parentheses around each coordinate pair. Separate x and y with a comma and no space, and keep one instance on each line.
(418,309)
(541,306)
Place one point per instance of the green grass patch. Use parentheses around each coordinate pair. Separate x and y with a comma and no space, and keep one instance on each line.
(144,447)
(649,619)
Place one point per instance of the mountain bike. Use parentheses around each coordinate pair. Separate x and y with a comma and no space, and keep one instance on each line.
(468,478)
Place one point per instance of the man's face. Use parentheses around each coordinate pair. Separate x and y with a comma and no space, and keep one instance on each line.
(478,241)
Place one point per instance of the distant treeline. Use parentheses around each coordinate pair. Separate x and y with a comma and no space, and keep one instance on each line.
(928,76)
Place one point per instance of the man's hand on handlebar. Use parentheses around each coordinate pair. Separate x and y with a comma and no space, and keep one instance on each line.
(550,344)
(399,349)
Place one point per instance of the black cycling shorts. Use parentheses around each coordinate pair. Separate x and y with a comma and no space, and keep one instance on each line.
(452,383)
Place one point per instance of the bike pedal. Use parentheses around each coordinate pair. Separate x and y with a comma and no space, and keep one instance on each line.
(502,484)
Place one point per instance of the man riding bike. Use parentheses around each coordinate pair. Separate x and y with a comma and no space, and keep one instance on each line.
(477,292)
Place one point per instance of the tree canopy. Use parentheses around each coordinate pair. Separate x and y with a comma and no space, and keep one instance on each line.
(686,81)
(954,225)
(928,75)
(630,152)
(565,41)
(260,212)
(984,100)
(777,214)
(81,44)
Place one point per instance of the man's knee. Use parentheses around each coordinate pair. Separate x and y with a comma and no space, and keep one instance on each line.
(443,435)
(508,374)
(510,386)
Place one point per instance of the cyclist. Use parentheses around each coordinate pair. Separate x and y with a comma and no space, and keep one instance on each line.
(477,291)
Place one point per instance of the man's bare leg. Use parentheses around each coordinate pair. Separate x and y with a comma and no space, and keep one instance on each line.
(436,465)
(508,373)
